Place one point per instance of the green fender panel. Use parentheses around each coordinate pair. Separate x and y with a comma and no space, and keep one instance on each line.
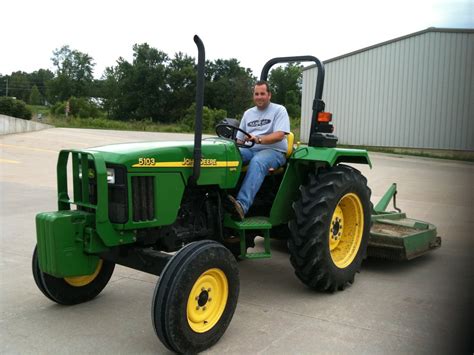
(332,156)
(302,161)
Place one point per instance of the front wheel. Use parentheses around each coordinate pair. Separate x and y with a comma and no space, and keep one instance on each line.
(330,232)
(72,290)
(195,297)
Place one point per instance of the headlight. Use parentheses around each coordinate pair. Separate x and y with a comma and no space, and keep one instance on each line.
(110,176)
(90,173)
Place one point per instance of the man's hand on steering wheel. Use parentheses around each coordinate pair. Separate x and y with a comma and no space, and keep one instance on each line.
(229,131)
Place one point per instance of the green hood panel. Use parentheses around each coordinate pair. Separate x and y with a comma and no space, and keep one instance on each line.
(220,164)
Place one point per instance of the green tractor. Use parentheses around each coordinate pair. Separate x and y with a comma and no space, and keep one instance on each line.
(158,207)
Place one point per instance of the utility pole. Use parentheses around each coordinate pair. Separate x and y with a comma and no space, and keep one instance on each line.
(6,90)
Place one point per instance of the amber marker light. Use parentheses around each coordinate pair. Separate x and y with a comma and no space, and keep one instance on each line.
(324,117)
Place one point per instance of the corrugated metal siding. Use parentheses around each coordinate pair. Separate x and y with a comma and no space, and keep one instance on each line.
(416,93)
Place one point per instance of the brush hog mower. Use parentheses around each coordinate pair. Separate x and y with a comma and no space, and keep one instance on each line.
(158,207)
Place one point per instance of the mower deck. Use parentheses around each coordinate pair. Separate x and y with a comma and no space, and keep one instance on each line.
(394,236)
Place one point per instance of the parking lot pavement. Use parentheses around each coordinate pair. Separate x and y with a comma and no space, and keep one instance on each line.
(421,306)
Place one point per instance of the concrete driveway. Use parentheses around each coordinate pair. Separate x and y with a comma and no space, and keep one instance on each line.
(422,306)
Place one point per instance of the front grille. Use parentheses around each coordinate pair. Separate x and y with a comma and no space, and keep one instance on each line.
(143,198)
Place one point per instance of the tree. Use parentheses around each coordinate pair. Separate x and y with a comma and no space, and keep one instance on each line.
(141,85)
(73,76)
(3,85)
(181,80)
(19,85)
(15,108)
(153,86)
(35,96)
(210,117)
(286,86)
(108,90)
(228,86)
(78,107)
(40,78)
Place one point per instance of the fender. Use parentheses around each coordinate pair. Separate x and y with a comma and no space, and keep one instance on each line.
(332,156)
(303,160)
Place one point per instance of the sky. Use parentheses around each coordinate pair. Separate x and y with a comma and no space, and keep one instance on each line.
(250,31)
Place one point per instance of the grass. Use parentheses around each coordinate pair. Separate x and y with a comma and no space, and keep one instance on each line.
(104,123)
(37,109)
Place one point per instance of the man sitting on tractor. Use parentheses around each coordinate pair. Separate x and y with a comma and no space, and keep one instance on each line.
(268,124)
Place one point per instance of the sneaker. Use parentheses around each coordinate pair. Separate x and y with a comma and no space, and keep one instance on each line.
(235,208)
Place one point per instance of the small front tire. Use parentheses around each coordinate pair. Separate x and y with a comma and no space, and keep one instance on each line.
(195,297)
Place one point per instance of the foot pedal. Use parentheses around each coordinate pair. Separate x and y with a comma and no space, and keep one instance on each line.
(251,223)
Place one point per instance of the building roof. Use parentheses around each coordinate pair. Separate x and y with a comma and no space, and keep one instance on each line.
(429,29)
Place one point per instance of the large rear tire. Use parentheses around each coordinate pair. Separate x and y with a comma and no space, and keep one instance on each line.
(72,290)
(195,298)
(330,232)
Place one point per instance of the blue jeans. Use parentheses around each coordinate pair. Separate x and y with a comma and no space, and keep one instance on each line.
(260,162)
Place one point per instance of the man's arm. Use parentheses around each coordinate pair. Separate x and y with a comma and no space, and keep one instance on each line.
(268,138)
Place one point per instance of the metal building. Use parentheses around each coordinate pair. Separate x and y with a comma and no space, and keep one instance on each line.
(415,91)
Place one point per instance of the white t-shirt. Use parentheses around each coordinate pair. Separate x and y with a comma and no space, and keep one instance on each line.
(257,122)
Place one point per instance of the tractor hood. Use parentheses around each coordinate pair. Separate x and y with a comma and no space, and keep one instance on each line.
(220,158)
(163,154)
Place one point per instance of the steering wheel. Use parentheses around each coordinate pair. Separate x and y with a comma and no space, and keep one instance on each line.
(225,130)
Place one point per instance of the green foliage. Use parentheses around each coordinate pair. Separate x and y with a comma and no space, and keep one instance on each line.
(19,86)
(228,86)
(58,109)
(151,86)
(286,83)
(82,107)
(181,80)
(74,74)
(155,86)
(141,85)
(40,78)
(35,96)
(210,118)
(15,108)
(78,107)
(37,110)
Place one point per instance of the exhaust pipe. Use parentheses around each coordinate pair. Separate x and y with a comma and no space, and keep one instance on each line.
(199,104)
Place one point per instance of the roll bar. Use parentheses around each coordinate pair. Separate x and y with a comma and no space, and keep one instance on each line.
(318,103)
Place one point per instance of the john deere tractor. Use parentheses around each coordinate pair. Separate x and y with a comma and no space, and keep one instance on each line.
(158,207)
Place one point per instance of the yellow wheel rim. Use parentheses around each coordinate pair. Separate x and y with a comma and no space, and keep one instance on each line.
(346,230)
(207,300)
(79,281)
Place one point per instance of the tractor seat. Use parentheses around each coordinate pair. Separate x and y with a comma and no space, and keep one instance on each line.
(290,137)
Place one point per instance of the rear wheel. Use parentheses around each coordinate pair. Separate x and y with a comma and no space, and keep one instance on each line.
(195,298)
(72,290)
(330,232)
